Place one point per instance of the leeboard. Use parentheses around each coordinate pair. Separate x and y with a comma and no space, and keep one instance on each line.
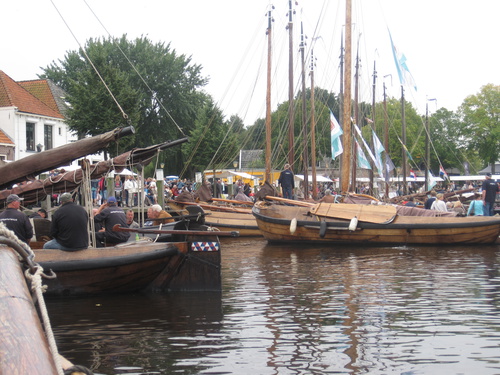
(367,213)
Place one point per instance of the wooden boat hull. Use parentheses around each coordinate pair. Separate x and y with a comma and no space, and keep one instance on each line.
(275,223)
(23,346)
(225,218)
(129,267)
(245,224)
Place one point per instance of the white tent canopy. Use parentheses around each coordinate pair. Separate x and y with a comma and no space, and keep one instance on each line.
(124,172)
(244,175)
(318,178)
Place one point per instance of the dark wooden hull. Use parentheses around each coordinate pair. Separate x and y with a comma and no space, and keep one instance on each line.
(275,223)
(130,267)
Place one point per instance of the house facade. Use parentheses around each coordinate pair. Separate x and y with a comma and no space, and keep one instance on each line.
(31,118)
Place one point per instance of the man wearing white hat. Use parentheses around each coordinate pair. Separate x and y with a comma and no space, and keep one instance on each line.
(15,220)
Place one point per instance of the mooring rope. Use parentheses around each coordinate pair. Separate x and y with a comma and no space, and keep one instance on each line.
(34,274)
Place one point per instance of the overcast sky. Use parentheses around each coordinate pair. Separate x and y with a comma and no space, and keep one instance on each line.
(451,46)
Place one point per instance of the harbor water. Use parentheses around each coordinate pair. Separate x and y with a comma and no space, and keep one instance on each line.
(302,310)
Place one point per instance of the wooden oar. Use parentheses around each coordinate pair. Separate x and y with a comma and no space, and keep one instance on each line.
(118,228)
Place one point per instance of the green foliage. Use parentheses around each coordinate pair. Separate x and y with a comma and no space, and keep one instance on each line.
(212,143)
(480,127)
(166,88)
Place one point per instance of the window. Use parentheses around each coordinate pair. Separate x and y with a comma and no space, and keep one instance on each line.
(30,136)
(47,137)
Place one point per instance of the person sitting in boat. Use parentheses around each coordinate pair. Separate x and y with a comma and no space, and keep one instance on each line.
(411,202)
(439,204)
(328,197)
(156,212)
(40,214)
(15,220)
(69,226)
(476,207)
(109,214)
(130,219)
(430,200)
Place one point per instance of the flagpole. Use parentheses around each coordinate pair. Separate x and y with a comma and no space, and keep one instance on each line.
(268,100)
(403,130)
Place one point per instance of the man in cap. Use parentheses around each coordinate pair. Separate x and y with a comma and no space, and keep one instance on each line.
(15,220)
(69,226)
(109,214)
(490,190)
(287,182)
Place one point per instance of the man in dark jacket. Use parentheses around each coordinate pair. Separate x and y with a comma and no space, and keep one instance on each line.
(109,214)
(69,226)
(15,220)
(286,180)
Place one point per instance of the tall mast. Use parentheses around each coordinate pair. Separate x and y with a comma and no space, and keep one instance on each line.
(291,114)
(304,115)
(373,120)
(267,176)
(341,96)
(313,133)
(346,159)
(356,116)
(403,135)
(386,144)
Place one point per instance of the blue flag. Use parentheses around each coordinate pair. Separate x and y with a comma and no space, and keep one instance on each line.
(405,77)
(335,133)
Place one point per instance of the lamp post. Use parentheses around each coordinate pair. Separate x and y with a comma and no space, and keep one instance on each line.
(235,165)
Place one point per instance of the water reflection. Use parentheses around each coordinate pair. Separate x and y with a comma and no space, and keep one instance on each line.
(304,310)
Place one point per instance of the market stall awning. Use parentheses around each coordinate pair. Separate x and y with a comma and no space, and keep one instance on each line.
(318,178)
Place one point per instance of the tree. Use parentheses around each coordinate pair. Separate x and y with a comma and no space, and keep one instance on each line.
(480,128)
(212,143)
(159,90)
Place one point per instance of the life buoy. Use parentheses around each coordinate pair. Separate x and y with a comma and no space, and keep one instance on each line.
(293,225)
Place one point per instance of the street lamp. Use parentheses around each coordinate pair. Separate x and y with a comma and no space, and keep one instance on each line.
(235,164)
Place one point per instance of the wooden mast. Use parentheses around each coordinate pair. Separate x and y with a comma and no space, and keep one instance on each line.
(304,116)
(373,124)
(291,114)
(313,133)
(403,135)
(346,158)
(354,165)
(267,176)
(386,144)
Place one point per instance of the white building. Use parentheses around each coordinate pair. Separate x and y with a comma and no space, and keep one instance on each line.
(32,118)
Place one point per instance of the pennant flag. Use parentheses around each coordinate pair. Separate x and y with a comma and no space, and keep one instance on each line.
(335,133)
(367,148)
(389,167)
(362,160)
(432,181)
(378,149)
(405,77)
(412,174)
(442,172)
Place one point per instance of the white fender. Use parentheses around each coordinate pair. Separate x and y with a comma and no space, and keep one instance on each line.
(353,224)
(293,225)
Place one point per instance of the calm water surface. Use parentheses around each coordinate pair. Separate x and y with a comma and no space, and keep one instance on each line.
(302,310)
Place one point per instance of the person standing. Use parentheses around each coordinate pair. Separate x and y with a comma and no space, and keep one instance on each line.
(109,214)
(69,228)
(286,180)
(489,194)
(15,220)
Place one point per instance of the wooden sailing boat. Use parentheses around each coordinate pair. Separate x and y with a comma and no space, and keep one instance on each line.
(361,224)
